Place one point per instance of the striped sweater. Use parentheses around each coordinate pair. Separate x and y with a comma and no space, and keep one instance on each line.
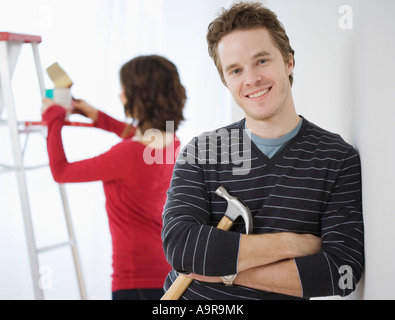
(312,185)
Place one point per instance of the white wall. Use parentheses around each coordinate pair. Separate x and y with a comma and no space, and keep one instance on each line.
(374,135)
(344,82)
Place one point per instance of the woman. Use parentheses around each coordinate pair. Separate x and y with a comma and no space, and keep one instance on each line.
(134,185)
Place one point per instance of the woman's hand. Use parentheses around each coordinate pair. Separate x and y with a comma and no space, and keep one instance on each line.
(47,103)
(83,108)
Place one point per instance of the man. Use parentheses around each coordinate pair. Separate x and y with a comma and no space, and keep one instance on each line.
(301,183)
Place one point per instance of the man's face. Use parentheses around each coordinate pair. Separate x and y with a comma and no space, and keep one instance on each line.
(255,73)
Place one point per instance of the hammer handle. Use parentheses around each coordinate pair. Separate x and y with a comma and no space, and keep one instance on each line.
(182,282)
(177,288)
(225,224)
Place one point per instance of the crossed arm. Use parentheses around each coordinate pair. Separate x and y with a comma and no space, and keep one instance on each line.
(266,262)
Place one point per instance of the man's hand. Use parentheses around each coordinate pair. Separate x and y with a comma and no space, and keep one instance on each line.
(263,249)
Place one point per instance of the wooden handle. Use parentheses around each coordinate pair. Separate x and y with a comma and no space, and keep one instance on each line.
(182,283)
(225,224)
(177,288)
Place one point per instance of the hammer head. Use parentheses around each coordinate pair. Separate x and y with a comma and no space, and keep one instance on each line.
(236,208)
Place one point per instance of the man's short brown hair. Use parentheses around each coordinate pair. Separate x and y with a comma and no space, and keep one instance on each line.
(244,16)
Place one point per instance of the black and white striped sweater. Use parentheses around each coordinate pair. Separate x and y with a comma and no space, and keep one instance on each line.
(312,185)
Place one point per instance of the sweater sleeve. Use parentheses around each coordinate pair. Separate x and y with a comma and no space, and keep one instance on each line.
(191,242)
(106,122)
(338,267)
(105,167)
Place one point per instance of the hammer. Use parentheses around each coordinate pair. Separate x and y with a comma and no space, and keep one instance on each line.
(235,209)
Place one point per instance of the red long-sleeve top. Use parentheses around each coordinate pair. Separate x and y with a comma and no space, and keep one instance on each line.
(135,193)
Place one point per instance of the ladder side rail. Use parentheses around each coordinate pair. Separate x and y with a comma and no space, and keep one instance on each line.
(62,189)
(38,69)
(6,88)
(9,54)
(73,241)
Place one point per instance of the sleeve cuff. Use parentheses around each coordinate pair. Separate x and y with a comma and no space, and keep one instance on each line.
(54,112)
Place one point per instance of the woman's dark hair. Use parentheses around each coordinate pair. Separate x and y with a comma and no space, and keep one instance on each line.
(153,91)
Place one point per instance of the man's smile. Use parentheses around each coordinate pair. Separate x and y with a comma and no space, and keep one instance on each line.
(258,94)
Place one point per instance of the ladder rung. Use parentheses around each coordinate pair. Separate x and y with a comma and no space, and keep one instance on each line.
(39,166)
(28,130)
(56,246)
(5,168)
(38,126)
(66,123)
(26,127)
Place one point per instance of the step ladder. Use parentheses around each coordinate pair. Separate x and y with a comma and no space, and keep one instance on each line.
(10,47)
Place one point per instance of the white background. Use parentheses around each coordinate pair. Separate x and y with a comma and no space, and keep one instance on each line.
(343,82)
